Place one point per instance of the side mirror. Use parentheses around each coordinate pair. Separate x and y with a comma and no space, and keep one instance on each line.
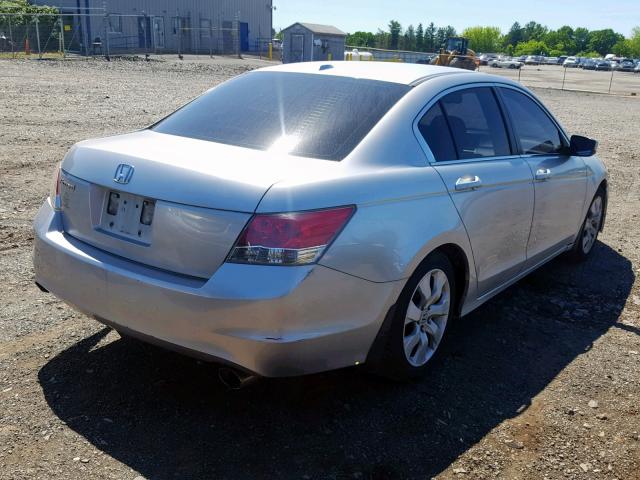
(582,146)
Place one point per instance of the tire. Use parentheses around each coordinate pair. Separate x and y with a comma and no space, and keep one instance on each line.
(415,337)
(590,228)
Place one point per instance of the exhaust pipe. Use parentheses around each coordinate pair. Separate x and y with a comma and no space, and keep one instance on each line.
(235,379)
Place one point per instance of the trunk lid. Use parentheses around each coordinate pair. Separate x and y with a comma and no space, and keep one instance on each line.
(199,195)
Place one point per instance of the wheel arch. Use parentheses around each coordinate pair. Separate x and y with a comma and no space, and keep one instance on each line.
(460,262)
(461,267)
(604,186)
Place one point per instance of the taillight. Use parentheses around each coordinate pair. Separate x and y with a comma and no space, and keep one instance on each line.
(296,238)
(54,194)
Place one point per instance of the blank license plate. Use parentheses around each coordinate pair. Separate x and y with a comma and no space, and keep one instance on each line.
(128,215)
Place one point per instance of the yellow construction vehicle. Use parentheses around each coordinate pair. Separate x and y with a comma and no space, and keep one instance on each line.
(456,54)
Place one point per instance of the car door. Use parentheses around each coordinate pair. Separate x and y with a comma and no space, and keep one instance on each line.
(560,181)
(491,187)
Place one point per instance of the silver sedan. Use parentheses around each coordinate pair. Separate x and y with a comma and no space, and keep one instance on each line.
(314,216)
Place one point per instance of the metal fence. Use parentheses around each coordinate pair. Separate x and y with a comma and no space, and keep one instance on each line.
(103,34)
(543,76)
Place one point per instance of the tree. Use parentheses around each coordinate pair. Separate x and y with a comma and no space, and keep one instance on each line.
(514,35)
(634,43)
(534,31)
(394,34)
(622,48)
(409,39)
(420,38)
(382,39)
(483,39)
(532,47)
(430,38)
(561,40)
(581,38)
(602,41)
(361,39)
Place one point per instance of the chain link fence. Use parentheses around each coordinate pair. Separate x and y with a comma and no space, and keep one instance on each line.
(543,76)
(101,34)
(576,79)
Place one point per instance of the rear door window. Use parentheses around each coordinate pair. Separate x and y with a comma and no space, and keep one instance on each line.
(308,115)
(435,131)
(536,132)
(476,123)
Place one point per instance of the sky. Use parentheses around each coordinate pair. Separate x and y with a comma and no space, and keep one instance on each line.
(369,15)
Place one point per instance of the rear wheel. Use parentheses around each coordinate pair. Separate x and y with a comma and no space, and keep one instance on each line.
(588,234)
(419,324)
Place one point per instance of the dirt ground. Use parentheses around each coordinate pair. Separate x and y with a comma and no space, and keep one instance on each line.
(543,382)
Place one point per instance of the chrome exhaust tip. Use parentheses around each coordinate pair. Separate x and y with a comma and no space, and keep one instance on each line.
(235,379)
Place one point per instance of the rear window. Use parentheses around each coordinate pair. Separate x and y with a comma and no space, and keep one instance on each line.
(302,114)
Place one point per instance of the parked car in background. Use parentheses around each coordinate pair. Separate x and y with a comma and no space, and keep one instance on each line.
(561,59)
(347,219)
(522,58)
(551,61)
(485,58)
(533,60)
(614,64)
(627,65)
(637,69)
(588,64)
(505,63)
(571,62)
(603,65)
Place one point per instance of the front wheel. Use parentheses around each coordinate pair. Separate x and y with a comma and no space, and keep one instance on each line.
(418,328)
(590,228)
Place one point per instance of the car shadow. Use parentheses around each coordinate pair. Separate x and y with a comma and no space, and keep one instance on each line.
(166,416)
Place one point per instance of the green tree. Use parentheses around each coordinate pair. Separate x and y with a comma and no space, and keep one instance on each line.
(561,40)
(534,31)
(430,38)
(532,47)
(634,43)
(382,39)
(420,38)
(622,48)
(409,42)
(513,36)
(394,34)
(581,38)
(483,39)
(361,39)
(602,41)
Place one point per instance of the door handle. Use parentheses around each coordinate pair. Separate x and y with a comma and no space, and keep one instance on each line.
(543,174)
(468,182)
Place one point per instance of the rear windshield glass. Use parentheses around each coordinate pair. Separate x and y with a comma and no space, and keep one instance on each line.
(310,115)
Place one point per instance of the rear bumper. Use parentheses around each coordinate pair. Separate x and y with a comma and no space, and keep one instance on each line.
(273,321)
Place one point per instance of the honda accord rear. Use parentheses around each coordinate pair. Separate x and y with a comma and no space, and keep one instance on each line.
(314,216)
(167,234)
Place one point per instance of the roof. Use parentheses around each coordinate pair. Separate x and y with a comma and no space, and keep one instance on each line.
(404,73)
(320,29)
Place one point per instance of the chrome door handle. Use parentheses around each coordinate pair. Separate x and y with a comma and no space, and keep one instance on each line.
(468,182)
(543,174)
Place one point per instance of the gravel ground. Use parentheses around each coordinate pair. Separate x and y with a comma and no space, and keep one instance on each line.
(541,382)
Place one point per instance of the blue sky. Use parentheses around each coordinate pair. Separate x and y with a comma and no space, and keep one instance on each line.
(369,15)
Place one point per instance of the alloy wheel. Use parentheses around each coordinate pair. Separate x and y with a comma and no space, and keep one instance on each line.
(426,317)
(592,225)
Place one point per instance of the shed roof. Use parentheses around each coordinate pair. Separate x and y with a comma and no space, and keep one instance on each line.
(320,29)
